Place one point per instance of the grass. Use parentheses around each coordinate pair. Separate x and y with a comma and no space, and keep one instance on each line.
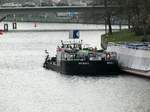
(124,36)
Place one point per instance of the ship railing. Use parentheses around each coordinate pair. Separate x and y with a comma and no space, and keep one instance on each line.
(90,59)
(73,59)
(136,45)
(139,47)
(115,44)
(84,59)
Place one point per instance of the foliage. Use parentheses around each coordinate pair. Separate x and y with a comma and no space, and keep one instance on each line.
(124,36)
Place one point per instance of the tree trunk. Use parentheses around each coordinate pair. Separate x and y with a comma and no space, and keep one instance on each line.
(129,22)
(109,24)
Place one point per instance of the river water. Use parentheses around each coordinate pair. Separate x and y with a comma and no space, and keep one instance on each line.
(26,87)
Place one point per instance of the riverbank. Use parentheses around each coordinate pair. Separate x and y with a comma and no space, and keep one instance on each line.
(124,36)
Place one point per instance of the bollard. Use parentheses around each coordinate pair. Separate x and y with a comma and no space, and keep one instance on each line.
(5,27)
(35,25)
(1,32)
(120,26)
(14,25)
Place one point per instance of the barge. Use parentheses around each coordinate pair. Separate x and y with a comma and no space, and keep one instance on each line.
(133,58)
(74,58)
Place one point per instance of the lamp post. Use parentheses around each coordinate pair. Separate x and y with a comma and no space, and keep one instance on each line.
(144,30)
(105,5)
(145,19)
(40,3)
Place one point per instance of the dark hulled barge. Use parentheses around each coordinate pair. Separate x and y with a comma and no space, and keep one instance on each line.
(75,59)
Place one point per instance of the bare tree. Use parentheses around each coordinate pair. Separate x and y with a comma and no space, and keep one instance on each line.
(63,3)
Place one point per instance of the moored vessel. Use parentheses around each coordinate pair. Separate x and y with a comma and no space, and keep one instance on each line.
(132,57)
(75,58)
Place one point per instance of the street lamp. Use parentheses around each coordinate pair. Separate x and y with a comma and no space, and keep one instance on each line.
(40,3)
(105,5)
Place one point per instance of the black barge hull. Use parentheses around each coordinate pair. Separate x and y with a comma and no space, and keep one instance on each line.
(84,68)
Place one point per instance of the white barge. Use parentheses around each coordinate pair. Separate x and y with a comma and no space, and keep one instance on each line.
(132,57)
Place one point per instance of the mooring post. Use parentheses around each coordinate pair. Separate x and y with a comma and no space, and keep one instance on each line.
(14,25)
(6,27)
(120,25)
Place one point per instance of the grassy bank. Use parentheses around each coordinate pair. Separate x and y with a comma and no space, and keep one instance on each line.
(124,36)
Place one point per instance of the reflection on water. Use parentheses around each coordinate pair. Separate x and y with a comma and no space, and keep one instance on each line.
(26,87)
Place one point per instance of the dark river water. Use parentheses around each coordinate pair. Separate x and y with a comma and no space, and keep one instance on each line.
(26,87)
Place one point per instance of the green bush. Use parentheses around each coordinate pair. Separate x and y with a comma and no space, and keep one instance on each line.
(125,36)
